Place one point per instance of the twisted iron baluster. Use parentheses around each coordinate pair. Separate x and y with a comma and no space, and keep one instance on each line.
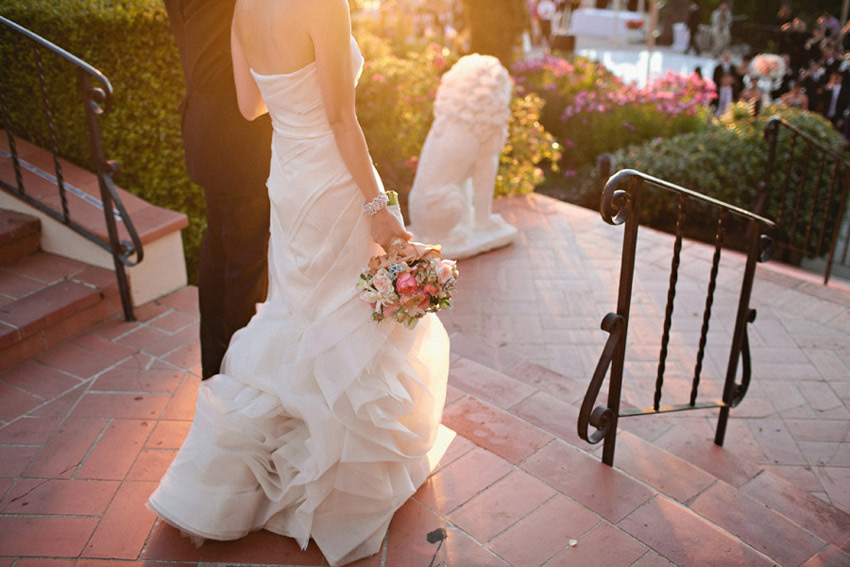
(671,295)
(54,145)
(13,149)
(709,300)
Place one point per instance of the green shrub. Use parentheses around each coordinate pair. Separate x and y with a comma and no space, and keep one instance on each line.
(407,85)
(528,149)
(130,42)
(395,106)
(557,80)
(726,161)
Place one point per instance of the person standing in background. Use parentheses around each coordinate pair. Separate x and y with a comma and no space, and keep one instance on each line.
(694,20)
(721,28)
(229,158)
(546,10)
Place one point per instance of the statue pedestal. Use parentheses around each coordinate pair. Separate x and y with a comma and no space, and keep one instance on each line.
(464,242)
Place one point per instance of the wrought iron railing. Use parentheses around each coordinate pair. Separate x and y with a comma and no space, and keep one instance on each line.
(96,98)
(805,191)
(622,206)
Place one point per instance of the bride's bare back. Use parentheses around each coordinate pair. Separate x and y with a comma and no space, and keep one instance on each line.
(273,34)
(276,37)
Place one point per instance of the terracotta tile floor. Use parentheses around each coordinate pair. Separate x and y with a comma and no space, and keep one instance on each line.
(87,427)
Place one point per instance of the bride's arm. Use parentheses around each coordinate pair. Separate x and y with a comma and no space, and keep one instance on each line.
(330,30)
(251,103)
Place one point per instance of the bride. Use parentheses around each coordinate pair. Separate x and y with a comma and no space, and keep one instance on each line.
(320,422)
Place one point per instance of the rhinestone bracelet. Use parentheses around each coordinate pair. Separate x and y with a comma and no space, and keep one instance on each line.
(379,202)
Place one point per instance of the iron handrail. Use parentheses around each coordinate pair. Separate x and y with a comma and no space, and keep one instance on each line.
(840,170)
(97,98)
(619,206)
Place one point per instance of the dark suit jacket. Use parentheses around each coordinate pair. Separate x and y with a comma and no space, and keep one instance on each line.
(841,104)
(718,73)
(224,152)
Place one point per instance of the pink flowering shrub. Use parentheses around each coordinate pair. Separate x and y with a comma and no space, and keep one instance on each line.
(591,111)
(557,80)
(600,121)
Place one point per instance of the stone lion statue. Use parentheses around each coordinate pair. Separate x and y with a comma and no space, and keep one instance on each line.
(452,195)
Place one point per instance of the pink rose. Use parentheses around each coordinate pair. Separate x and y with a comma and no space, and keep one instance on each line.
(390,310)
(406,284)
(444,271)
(431,289)
(382,283)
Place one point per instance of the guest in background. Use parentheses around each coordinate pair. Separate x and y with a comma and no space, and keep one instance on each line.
(793,37)
(795,97)
(814,80)
(790,76)
(743,68)
(751,92)
(835,100)
(721,28)
(694,20)
(830,60)
(785,13)
(533,22)
(724,67)
(830,24)
(546,11)
(725,94)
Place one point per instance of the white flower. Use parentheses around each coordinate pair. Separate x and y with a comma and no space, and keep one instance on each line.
(382,283)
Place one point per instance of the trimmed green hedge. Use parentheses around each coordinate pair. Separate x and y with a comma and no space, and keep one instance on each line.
(726,161)
(129,41)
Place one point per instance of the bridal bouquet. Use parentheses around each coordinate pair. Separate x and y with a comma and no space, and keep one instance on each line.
(407,282)
(768,66)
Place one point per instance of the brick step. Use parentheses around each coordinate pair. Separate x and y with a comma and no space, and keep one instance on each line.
(753,516)
(45,299)
(19,236)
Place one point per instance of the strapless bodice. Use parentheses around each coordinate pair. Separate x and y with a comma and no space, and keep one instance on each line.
(295,101)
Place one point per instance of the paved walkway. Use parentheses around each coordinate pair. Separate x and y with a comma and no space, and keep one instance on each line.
(88,427)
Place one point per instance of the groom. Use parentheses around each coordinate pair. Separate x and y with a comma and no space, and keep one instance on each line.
(229,158)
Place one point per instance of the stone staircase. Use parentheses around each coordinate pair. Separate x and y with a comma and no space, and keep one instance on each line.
(45,298)
(692,502)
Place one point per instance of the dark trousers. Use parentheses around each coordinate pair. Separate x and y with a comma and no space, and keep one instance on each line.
(692,42)
(232,277)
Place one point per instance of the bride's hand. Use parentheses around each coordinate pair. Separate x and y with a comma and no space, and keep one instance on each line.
(386,229)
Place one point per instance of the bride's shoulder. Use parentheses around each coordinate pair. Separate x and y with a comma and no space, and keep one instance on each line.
(327,18)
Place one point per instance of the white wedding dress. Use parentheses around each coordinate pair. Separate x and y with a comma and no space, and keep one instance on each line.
(320,422)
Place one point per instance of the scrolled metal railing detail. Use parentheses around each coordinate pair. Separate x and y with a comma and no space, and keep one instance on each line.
(97,98)
(620,206)
(740,390)
(603,418)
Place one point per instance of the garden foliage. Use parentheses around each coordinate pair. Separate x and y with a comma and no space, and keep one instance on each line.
(727,161)
(130,41)
(591,111)
(395,104)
